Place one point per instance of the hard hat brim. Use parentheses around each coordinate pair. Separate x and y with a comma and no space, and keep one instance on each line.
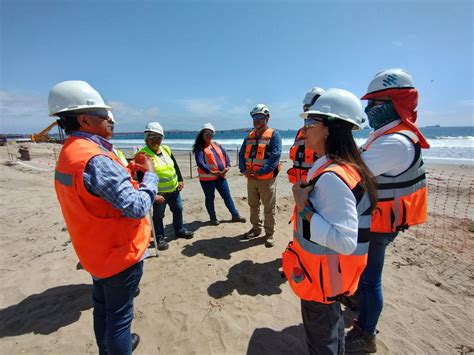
(80,108)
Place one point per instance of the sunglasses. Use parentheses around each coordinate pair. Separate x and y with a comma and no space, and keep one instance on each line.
(259,116)
(101,114)
(208,134)
(312,121)
(372,103)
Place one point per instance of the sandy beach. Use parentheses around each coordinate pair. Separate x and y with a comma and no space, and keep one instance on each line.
(215,294)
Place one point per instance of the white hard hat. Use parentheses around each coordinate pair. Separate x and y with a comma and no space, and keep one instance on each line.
(154,127)
(340,104)
(208,126)
(73,95)
(260,108)
(315,92)
(390,79)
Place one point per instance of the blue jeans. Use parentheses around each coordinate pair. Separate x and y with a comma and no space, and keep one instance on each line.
(172,199)
(221,185)
(113,310)
(370,284)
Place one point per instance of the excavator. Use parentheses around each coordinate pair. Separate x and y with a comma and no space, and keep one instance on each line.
(43,136)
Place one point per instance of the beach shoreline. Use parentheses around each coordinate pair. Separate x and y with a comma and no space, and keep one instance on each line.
(214,293)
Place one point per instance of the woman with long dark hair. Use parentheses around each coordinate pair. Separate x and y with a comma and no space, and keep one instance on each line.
(324,261)
(213,164)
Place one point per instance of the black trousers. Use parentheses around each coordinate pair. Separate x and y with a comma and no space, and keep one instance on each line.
(324,327)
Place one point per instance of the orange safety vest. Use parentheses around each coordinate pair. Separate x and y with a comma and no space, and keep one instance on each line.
(318,273)
(105,241)
(303,159)
(402,199)
(211,161)
(256,154)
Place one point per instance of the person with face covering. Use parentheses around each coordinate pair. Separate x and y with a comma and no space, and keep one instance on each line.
(213,164)
(170,183)
(302,157)
(393,154)
(324,260)
(104,210)
(259,161)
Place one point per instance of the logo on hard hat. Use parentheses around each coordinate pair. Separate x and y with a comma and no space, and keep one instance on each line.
(390,80)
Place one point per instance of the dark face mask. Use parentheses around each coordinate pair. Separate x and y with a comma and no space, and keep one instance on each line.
(381,115)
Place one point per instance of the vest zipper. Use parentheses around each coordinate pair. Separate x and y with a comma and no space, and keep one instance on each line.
(321,278)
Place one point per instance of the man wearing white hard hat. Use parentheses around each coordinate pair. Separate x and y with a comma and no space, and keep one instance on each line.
(393,154)
(302,157)
(104,210)
(259,161)
(213,163)
(169,185)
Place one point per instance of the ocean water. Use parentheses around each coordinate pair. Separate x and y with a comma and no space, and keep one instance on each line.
(448,144)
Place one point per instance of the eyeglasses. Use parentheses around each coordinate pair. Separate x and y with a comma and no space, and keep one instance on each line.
(154,137)
(311,122)
(101,114)
(259,116)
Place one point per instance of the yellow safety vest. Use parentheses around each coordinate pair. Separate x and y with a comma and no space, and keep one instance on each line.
(164,167)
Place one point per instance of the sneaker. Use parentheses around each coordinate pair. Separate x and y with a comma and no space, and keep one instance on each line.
(162,244)
(185,234)
(214,222)
(269,242)
(238,218)
(251,234)
(359,341)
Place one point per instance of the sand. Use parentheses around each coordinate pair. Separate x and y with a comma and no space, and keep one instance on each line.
(215,294)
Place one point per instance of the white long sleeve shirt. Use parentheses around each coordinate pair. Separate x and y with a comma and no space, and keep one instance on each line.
(389,154)
(335,222)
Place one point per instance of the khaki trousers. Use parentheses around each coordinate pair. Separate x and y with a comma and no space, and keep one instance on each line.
(265,191)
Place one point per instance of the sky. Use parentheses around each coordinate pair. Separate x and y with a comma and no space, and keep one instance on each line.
(184,63)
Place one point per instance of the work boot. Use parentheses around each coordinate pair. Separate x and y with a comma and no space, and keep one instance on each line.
(359,341)
(238,218)
(185,234)
(135,340)
(215,222)
(269,242)
(162,243)
(251,234)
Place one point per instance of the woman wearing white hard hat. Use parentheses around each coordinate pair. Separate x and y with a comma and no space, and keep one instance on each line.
(393,154)
(170,183)
(213,164)
(324,260)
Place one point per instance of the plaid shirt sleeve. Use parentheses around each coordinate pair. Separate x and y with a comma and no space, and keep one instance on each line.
(110,181)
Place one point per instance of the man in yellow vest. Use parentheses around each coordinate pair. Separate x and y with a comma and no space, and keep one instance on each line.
(259,161)
(170,184)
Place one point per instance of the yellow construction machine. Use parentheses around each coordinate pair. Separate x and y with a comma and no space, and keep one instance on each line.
(43,136)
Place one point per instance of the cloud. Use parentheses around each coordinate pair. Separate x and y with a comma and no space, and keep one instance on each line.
(23,113)
(130,118)
(397,43)
(203,107)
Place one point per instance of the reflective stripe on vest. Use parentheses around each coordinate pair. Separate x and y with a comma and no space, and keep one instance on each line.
(303,159)
(401,199)
(256,154)
(164,167)
(315,272)
(211,162)
(105,241)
